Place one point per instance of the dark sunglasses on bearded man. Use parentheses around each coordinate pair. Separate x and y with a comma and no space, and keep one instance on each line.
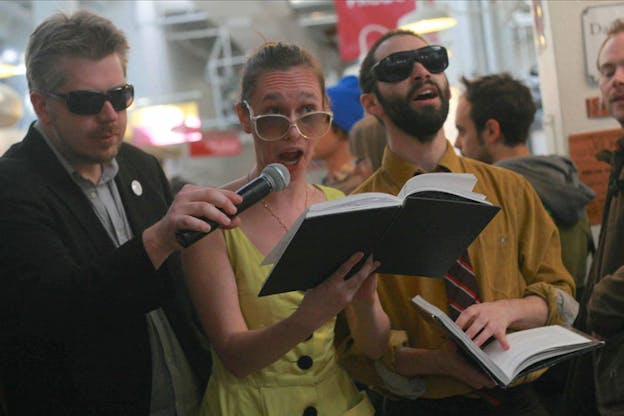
(91,102)
(398,66)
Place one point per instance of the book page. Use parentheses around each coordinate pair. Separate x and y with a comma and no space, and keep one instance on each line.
(532,345)
(460,184)
(367,200)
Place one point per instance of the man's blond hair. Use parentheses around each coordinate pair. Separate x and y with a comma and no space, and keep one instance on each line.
(617,26)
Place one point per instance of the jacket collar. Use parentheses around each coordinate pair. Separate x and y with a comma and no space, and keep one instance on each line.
(400,170)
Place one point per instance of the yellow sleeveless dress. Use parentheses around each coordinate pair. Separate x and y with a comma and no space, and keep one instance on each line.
(305,381)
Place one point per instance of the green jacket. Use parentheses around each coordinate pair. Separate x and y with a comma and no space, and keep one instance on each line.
(565,197)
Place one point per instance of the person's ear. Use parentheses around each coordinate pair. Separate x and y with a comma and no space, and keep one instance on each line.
(243,118)
(492,132)
(371,104)
(40,105)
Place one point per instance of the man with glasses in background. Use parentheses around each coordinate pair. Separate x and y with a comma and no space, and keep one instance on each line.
(90,321)
(512,272)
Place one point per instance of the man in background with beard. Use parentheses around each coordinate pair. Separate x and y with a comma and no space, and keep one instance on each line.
(521,281)
(493,119)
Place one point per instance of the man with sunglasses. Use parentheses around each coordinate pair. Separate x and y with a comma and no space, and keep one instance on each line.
(516,261)
(90,321)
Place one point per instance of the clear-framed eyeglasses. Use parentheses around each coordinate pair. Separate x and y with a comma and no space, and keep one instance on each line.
(272,127)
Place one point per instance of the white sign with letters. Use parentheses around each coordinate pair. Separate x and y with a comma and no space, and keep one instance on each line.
(596,21)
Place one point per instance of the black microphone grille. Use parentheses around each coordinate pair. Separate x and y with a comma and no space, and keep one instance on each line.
(277,175)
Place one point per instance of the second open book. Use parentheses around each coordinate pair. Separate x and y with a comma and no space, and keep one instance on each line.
(421,231)
(530,349)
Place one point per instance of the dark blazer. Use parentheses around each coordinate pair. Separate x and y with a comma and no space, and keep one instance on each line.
(73,335)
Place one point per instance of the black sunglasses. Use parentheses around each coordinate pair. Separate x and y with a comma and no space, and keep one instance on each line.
(398,66)
(91,102)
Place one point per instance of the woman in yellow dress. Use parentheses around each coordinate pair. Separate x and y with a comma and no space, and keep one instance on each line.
(275,355)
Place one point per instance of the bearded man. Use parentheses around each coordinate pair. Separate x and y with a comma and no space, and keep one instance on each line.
(515,264)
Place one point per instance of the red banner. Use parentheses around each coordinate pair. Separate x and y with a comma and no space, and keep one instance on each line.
(361,22)
(592,172)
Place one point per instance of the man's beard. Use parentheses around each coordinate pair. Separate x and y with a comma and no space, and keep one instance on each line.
(481,152)
(423,123)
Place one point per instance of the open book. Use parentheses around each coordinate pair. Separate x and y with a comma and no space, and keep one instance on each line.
(421,231)
(530,349)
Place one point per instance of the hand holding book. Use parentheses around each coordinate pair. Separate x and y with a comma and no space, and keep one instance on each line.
(529,349)
(421,232)
(326,300)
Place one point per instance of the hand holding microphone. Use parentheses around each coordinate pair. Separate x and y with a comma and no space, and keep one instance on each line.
(274,177)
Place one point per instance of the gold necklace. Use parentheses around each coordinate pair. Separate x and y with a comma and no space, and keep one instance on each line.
(277,218)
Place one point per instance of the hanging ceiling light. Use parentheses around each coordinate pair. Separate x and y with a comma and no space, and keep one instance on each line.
(9,70)
(429,19)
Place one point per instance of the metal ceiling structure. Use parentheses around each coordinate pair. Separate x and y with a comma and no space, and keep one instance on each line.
(222,32)
(205,42)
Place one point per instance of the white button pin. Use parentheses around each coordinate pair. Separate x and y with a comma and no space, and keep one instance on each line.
(136,187)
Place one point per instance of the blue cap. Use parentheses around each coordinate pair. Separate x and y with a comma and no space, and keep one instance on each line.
(345,102)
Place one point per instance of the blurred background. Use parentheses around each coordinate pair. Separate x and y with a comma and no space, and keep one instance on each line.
(186,57)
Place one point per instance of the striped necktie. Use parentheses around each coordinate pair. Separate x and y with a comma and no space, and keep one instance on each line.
(461,286)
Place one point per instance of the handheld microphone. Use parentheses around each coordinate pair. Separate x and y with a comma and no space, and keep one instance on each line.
(274,177)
